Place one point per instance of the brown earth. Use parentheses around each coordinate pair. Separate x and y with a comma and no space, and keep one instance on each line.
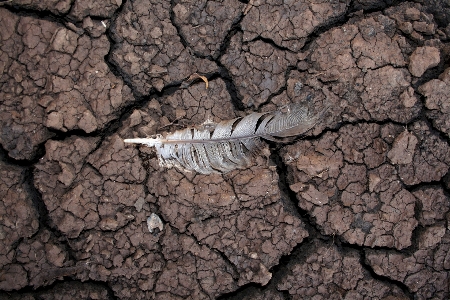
(358,208)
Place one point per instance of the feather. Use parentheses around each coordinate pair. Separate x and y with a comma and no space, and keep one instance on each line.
(222,147)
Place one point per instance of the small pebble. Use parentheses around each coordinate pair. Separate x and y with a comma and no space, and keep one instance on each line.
(154,222)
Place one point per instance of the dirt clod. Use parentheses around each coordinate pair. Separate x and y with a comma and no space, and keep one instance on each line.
(422,59)
(436,92)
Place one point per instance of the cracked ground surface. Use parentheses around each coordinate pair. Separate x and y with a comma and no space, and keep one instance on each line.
(358,208)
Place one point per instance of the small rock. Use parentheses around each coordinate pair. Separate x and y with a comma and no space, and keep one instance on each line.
(154,222)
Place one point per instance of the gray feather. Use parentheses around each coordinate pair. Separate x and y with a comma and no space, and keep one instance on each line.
(225,146)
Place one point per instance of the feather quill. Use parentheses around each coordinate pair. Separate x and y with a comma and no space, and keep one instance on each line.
(222,147)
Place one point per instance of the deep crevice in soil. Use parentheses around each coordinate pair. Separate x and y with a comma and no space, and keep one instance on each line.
(39,292)
(38,14)
(372,273)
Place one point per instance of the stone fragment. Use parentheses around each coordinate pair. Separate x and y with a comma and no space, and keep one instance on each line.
(153,222)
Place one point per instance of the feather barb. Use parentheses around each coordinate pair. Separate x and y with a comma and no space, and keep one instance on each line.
(222,147)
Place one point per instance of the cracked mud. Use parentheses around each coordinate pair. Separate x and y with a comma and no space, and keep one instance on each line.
(358,208)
